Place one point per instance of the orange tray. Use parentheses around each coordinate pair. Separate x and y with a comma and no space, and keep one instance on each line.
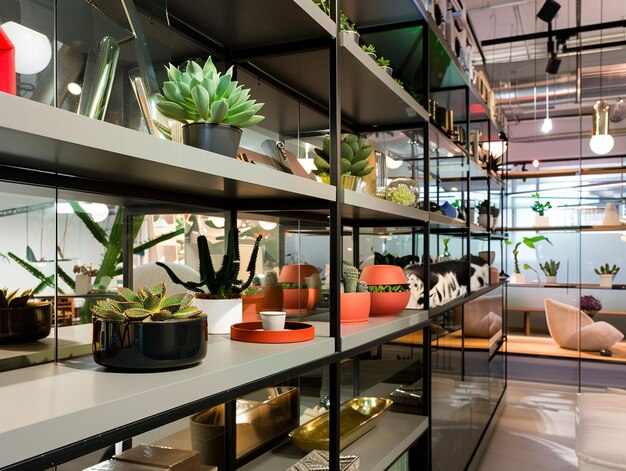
(253,332)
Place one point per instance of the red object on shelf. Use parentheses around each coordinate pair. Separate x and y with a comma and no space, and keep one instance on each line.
(7,64)
(386,304)
(252,304)
(253,332)
(355,308)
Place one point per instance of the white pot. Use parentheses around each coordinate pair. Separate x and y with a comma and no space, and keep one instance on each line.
(551,280)
(486,221)
(518,278)
(606,281)
(273,320)
(83,284)
(542,221)
(221,313)
(388,70)
(353,35)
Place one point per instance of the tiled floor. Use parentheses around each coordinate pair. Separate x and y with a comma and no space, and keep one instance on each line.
(535,431)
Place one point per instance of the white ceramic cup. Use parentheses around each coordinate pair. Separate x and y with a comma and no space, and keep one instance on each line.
(273,320)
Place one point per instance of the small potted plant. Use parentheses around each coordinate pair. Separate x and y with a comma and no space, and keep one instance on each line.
(370,50)
(590,305)
(218,293)
(385,64)
(148,330)
(354,160)
(21,320)
(487,215)
(530,242)
(550,269)
(344,22)
(355,298)
(540,208)
(607,274)
(252,303)
(302,288)
(82,280)
(212,107)
(388,287)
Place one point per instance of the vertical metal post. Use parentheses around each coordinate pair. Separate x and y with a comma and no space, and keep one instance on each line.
(230,435)
(127,247)
(55,303)
(356,246)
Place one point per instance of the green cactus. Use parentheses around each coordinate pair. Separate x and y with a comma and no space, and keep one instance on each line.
(550,268)
(354,154)
(14,299)
(147,305)
(202,94)
(606,269)
(271,278)
(350,278)
(361,287)
(222,283)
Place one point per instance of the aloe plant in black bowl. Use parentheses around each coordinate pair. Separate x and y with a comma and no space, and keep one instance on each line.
(21,320)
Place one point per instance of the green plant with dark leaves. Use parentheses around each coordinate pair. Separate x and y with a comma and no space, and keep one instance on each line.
(147,305)
(529,242)
(539,207)
(195,94)
(381,61)
(483,208)
(369,48)
(14,299)
(222,283)
(606,269)
(354,154)
(387,288)
(550,268)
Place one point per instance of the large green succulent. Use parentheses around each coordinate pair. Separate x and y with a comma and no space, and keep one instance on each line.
(354,154)
(147,305)
(14,299)
(202,94)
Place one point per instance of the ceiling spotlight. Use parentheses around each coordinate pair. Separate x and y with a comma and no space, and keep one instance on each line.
(502,136)
(554,63)
(74,88)
(548,11)
(536,163)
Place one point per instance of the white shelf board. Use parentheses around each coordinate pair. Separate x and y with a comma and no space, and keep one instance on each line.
(41,137)
(84,400)
(359,206)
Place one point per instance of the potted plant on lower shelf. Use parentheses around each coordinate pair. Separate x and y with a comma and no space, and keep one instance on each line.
(212,107)
(370,50)
(540,208)
(385,64)
(607,274)
(252,304)
(388,287)
(355,298)
(550,269)
(148,330)
(530,242)
(355,152)
(218,293)
(22,320)
(302,288)
(487,215)
(272,292)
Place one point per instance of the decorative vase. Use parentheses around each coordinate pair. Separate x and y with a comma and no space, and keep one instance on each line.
(542,221)
(219,138)
(149,345)
(27,324)
(300,300)
(409,199)
(551,280)
(611,218)
(82,284)
(486,220)
(349,182)
(488,257)
(222,313)
(251,304)
(518,278)
(606,281)
(273,320)
(355,308)
(386,303)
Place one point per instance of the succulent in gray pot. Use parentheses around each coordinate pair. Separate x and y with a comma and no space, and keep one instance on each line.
(212,107)
(148,330)
(21,320)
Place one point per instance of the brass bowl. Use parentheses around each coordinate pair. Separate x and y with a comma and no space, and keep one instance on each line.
(356,417)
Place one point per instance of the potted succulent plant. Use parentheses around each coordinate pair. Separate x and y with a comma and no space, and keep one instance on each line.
(21,320)
(487,216)
(302,288)
(212,107)
(530,242)
(540,208)
(550,269)
(345,24)
(388,287)
(370,50)
(218,293)
(355,298)
(252,303)
(590,305)
(354,164)
(607,274)
(385,64)
(148,330)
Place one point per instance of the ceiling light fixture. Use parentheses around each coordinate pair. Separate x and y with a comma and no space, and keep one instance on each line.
(268,225)
(536,163)
(392,163)
(548,11)
(74,88)
(546,127)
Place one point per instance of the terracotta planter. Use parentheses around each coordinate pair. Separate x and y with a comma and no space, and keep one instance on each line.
(222,313)
(252,304)
(296,273)
(27,324)
(386,304)
(272,298)
(355,308)
(300,301)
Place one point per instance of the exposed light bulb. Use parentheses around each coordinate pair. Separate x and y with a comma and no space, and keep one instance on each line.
(268,225)
(546,127)
(601,144)
(392,163)
(536,163)
(74,88)
(601,141)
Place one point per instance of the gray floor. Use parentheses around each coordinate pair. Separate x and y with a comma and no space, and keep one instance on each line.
(536,430)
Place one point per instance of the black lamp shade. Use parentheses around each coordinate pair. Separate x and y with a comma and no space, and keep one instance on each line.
(548,11)
(553,64)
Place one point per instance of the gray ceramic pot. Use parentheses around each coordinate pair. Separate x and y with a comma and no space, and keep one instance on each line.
(219,138)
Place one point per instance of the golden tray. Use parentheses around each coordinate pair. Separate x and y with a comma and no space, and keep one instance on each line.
(356,417)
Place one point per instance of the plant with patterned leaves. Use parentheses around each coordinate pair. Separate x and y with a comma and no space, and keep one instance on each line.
(354,157)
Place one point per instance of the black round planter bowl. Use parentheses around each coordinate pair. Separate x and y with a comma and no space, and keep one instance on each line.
(25,324)
(149,346)
(219,138)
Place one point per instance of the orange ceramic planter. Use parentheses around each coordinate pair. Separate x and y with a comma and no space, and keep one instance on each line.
(296,273)
(383,275)
(386,304)
(355,308)
(300,301)
(272,298)
(251,306)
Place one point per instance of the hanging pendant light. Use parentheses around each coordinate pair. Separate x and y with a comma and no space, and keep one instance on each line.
(546,127)
(601,141)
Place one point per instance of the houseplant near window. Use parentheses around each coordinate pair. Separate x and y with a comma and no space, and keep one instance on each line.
(355,298)
(540,208)
(550,269)
(607,274)
(302,288)
(21,320)
(148,330)
(487,216)
(354,160)
(212,107)
(530,242)
(218,293)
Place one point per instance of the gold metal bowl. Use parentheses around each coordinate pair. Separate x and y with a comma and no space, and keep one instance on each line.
(356,417)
